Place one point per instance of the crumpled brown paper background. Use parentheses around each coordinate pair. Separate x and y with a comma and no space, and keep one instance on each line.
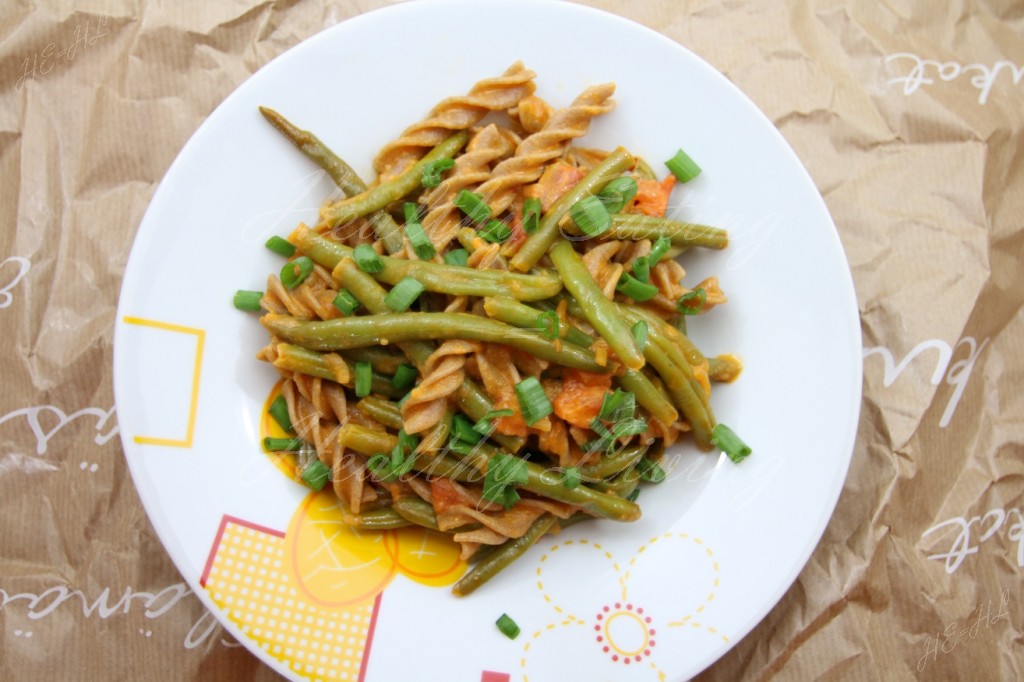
(909,117)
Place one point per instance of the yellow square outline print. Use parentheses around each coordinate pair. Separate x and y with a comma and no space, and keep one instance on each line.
(200,335)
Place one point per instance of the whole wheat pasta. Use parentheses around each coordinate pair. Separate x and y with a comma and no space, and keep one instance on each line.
(310,300)
(474,166)
(531,113)
(544,146)
(453,114)
(442,376)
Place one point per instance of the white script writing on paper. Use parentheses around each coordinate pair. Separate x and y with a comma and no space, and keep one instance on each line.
(5,291)
(43,435)
(987,525)
(954,633)
(43,62)
(155,605)
(924,71)
(957,377)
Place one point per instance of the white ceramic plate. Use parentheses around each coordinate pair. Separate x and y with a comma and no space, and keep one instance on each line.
(662,598)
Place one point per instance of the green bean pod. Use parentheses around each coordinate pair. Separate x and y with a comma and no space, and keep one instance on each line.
(635,226)
(598,310)
(417,511)
(306,361)
(438,277)
(369,442)
(538,243)
(503,556)
(344,177)
(381,359)
(608,465)
(385,518)
(374,330)
(384,412)
(379,197)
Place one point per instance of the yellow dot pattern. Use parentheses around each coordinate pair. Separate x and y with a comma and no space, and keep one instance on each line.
(249,581)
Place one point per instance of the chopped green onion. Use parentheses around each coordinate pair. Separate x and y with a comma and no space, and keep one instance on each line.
(635,289)
(549,324)
(380,465)
(504,471)
(650,471)
(639,331)
(367,259)
(629,427)
(364,379)
(658,251)
(457,257)
(404,376)
(605,439)
(473,205)
(462,430)
(249,301)
(571,477)
(642,268)
(633,495)
(730,443)
(683,167)
(484,425)
(612,404)
(316,474)
(403,294)
(618,193)
(279,411)
(533,401)
(462,447)
(685,305)
(531,215)
(418,238)
(407,442)
(495,232)
(282,247)
(590,216)
(296,271)
(281,444)
(507,626)
(431,176)
(346,302)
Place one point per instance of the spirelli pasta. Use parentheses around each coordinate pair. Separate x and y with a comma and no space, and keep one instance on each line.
(489,339)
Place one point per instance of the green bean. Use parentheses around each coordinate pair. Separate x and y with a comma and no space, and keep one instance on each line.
(538,243)
(724,368)
(378,519)
(644,170)
(344,177)
(673,334)
(416,510)
(369,442)
(384,412)
(518,314)
(373,330)
(621,485)
(609,465)
(548,483)
(647,394)
(306,361)
(677,374)
(439,277)
(382,359)
(470,397)
(638,226)
(599,311)
(499,559)
(379,197)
